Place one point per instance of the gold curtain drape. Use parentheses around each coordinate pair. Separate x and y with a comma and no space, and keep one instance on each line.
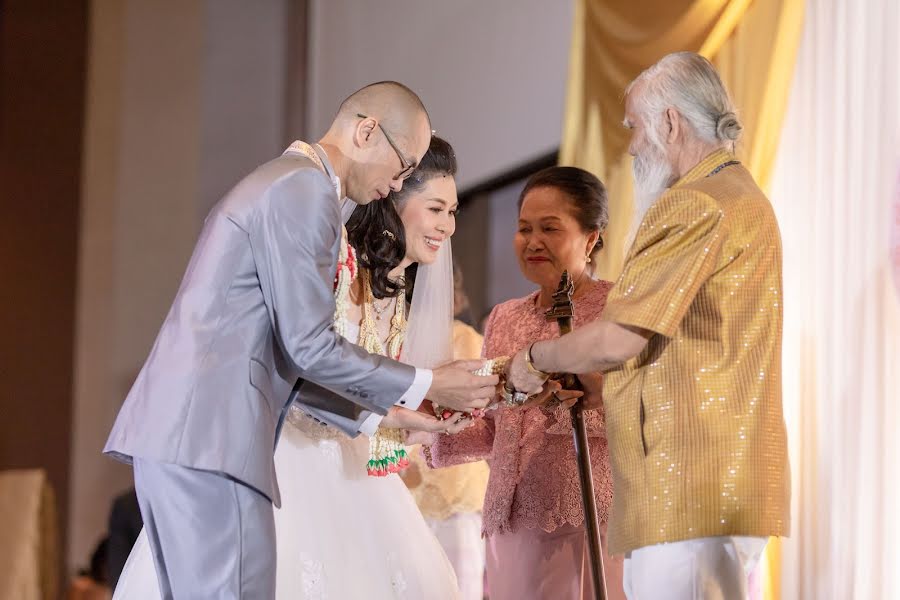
(754,46)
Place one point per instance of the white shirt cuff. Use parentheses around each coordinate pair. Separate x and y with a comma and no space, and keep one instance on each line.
(370,425)
(412,399)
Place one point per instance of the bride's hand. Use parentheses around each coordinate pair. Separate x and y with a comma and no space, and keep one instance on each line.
(413,420)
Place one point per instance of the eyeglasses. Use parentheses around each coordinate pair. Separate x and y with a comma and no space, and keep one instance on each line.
(407,167)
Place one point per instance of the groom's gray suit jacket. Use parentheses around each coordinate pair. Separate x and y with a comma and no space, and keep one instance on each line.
(252,316)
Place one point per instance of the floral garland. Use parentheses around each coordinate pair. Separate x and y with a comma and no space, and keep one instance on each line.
(347,270)
(387,454)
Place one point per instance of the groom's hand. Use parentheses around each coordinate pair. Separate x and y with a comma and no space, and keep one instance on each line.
(455,386)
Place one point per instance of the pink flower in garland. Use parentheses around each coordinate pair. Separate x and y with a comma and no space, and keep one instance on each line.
(351,261)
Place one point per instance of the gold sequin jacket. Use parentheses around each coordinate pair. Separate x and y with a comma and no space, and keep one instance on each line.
(695,427)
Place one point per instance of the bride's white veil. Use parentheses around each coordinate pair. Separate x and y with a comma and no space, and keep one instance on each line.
(429,329)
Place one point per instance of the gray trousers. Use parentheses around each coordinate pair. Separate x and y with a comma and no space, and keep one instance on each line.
(211,536)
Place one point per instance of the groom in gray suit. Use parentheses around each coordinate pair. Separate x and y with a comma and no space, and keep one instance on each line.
(252,316)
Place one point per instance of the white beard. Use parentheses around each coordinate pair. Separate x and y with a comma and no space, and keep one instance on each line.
(652,177)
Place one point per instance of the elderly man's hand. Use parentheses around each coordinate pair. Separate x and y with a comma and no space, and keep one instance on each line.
(521,378)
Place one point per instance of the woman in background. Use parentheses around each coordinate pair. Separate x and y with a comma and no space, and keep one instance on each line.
(533,516)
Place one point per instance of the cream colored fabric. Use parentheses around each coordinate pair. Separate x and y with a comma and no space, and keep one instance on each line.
(836,191)
(28,536)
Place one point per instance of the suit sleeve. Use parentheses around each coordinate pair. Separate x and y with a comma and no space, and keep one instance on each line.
(295,238)
(329,408)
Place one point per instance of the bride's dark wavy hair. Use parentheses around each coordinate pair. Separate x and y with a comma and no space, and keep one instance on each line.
(381,252)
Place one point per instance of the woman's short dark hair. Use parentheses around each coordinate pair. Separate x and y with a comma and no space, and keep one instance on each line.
(585,190)
(381,252)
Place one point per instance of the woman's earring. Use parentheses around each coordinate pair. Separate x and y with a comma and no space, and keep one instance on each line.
(587,258)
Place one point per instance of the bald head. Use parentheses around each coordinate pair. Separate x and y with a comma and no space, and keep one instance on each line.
(395,106)
(378,136)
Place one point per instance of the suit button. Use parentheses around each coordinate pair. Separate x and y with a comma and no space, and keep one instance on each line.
(364,394)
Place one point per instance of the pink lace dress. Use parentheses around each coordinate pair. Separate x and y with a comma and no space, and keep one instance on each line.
(533,489)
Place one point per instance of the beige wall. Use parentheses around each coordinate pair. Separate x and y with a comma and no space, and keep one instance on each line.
(183,99)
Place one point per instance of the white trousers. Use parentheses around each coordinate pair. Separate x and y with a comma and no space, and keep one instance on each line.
(460,536)
(712,568)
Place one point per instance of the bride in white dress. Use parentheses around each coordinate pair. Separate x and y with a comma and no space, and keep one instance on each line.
(348,528)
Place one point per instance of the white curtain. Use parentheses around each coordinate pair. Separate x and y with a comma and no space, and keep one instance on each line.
(836,190)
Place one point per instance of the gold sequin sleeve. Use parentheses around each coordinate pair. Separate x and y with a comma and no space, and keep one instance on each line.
(673,254)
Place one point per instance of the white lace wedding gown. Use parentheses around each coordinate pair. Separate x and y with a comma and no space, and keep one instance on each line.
(341,534)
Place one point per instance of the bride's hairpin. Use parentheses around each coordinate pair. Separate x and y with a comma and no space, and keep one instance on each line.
(389,234)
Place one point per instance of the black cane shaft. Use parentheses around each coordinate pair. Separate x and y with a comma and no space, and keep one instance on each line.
(589,500)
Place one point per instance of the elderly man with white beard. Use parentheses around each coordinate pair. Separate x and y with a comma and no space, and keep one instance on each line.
(690,342)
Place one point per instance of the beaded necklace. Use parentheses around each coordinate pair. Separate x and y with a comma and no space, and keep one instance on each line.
(368,332)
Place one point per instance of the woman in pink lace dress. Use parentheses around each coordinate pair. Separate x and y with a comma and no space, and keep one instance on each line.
(533,517)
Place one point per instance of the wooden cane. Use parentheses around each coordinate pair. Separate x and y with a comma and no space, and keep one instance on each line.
(563,312)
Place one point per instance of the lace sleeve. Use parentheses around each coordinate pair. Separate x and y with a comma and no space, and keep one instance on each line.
(488,349)
(474,443)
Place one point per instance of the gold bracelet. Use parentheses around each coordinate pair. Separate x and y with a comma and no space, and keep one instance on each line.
(530,364)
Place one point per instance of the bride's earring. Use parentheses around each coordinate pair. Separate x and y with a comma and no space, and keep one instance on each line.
(587,258)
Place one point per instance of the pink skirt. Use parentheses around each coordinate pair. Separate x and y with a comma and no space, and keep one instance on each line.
(532,564)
